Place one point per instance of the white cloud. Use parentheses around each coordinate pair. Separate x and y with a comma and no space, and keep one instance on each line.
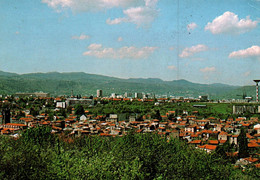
(172,67)
(141,16)
(81,37)
(131,52)
(150,3)
(139,12)
(94,46)
(116,21)
(229,23)
(187,52)
(191,26)
(252,52)
(208,69)
(120,39)
(91,5)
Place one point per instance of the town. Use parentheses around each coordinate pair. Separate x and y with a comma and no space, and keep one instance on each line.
(201,123)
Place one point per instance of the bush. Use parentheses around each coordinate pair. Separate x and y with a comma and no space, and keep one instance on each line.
(40,155)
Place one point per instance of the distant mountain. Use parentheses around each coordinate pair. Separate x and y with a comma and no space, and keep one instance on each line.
(2,73)
(82,83)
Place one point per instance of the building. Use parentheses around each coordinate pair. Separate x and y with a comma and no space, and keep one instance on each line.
(113,95)
(138,95)
(112,118)
(73,101)
(6,116)
(99,93)
(60,105)
(36,94)
(204,98)
(127,94)
(245,109)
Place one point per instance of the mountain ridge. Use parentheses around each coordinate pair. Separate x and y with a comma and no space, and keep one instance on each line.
(57,83)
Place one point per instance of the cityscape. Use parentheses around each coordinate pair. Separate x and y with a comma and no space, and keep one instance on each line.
(129,89)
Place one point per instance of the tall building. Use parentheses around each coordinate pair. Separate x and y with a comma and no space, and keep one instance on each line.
(138,95)
(127,94)
(99,93)
(6,116)
(113,95)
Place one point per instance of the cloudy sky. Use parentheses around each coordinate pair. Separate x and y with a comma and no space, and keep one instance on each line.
(201,41)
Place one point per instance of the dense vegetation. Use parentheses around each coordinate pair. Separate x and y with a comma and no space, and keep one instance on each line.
(38,154)
(87,84)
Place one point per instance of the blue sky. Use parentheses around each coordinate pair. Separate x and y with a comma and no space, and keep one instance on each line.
(201,41)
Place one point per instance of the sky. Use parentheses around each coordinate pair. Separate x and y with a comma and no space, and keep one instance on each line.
(202,41)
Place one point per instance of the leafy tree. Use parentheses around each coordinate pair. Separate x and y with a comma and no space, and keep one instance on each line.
(157,115)
(242,144)
(79,110)
(38,154)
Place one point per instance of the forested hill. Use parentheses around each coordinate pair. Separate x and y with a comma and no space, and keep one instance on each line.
(86,84)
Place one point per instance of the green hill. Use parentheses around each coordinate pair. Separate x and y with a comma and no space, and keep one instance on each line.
(82,83)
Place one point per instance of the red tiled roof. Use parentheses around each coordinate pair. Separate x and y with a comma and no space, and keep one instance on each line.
(249,136)
(222,141)
(5,132)
(257,165)
(207,146)
(253,144)
(212,118)
(105,134)
(223,133)
(213,142)
(257,135)
(195,142)
(15,124)
(139,130)
(250,159)
(232,154)
(194,135)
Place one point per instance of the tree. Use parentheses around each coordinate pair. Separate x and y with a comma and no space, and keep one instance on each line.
(171,116)
(79,110)
(242,144)
(157,115)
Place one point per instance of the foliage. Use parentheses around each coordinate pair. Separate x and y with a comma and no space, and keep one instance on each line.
(242,144)
(37,154)
(82,83)
(79,110)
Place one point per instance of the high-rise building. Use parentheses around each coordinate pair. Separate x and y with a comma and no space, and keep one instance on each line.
(99,93)
(138,95)
(127,94)
(113,95)
(6,116)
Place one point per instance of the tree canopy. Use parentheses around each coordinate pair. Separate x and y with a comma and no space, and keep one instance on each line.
(38,154)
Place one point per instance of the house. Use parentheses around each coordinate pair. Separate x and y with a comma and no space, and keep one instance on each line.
(112,118)
(245,161)
(195,143)
(132,118)
(223,136)
(233,139)
(213,142)
(208,148)
(83,118)
(191,128)
(219,127)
